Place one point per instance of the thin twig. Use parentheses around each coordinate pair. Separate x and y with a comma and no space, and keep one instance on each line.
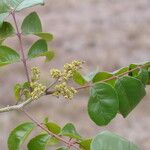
(21,46)
(49,132)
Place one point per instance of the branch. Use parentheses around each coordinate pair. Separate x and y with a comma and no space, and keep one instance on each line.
(19,106)
(68,143)
(15,107)
(113,77)
(21,46)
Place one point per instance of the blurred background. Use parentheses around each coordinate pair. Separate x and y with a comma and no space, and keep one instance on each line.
(106,34)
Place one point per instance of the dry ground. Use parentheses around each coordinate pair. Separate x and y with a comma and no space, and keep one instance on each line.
(107,34)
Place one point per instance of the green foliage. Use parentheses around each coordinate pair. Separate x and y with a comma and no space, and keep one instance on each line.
(111,93)
(143,75)
(6,30)
(2,17)
(17,91)
(28,25)
(39,142)
(17,5)
(130,92)
(120,71)
(18,135)
(70,131)
(53,127)
(85,144)
(79,79)
(45,36)
(8,56)
(103,76)
(103,104)
(110,141)
(40,48)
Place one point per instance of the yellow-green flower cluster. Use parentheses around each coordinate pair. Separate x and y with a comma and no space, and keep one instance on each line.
(35,74)
(37,90)
(67,73)
(55,73)
(64,90)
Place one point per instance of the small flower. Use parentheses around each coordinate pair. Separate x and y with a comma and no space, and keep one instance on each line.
(37,90)
(35,74)
(55,73)
(64,90)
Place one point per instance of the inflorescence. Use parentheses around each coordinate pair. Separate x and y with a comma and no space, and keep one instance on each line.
(62,88)
(37,88)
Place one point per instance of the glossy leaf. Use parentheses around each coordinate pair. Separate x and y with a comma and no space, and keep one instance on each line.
(53,127)
(85,144)
(103,104)
(6,30)
(19,135)
(70,131)
(31,24)
(103,76)
(62,148)
(8,5)
(40,48)
(8,56)
(45,36)
(110,141)
(130,92)
(79,79)
(39,142)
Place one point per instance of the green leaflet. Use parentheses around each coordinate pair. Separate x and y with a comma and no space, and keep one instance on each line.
(110,141)
(8,56)
(40,48)
(53,127)
(130,92)
(19,135)
(31,24)
(103,104)
(7,5)
(39,142)
(70,131)
(103,76)
(6,30)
